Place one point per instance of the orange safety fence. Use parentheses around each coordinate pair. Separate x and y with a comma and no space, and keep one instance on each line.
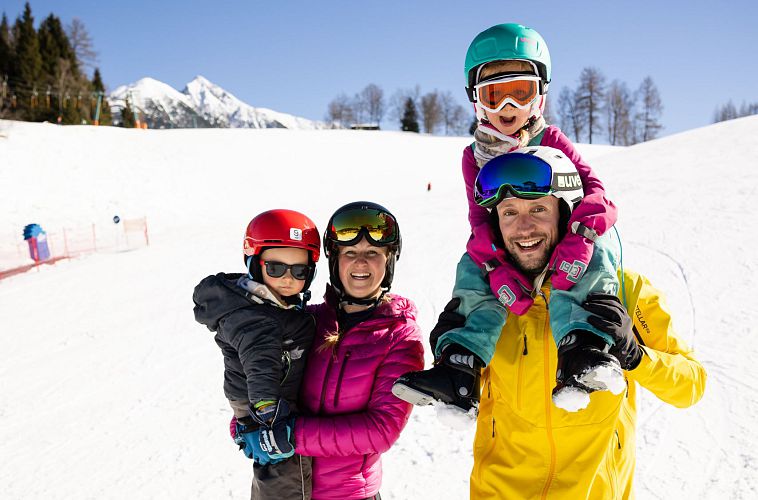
(70,242)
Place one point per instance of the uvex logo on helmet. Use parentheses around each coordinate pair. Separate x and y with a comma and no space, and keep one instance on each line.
(566,182)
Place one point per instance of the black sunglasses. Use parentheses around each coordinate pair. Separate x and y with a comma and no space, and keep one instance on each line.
(277,269)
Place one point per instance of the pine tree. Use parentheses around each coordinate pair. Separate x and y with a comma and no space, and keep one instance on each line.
(127,116)
(6,50)
(409,122)
(54,46)
(28,67)
(58,69)
(6,63)
(98,87)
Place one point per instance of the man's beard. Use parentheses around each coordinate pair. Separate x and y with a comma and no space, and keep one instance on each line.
(535,267)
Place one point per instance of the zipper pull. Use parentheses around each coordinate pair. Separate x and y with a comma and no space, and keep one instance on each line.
(525,349)
(618,439)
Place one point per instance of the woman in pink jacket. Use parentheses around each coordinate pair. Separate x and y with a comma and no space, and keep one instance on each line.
(365,338)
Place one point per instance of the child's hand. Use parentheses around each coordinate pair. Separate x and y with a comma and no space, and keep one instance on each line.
(569,260)
(248,437)
(511,288)
(276,429)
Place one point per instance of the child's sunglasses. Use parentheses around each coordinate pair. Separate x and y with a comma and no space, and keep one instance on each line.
(379,227)
(518,90)
(277,269)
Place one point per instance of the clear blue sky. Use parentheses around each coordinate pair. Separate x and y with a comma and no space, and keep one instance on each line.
(295,56)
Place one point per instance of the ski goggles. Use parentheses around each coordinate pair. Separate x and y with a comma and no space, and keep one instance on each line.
(518,90)
(277,269)
(515,174)
(377,226)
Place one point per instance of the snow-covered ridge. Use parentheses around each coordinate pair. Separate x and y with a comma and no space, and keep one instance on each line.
(202,104)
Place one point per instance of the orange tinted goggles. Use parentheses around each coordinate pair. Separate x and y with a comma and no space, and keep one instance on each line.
(520,91)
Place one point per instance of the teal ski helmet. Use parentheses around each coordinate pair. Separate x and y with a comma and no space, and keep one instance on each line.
(504,42)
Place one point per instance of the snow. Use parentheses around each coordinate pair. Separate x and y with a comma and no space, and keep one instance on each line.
(571,399)
(455,417)
(109,389)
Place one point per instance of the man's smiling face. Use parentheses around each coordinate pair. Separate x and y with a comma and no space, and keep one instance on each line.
(530,231)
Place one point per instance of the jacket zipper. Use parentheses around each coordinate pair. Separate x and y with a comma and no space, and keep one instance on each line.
(485,457)
(323,388)
(612,466)
(339,378)
(520,377)
(328,371)
(548,404)
(288,360)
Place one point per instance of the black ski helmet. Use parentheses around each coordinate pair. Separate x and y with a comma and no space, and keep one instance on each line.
(331,241)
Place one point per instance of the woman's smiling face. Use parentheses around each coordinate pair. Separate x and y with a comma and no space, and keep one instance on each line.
(361,269)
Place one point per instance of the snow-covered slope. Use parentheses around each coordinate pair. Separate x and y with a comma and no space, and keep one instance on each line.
(109,389)
(202,104)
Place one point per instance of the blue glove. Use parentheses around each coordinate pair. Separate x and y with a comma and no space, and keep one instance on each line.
(275,429)
(248,438)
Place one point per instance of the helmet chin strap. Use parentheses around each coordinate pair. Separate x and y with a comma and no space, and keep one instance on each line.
(249,271)
(346,299)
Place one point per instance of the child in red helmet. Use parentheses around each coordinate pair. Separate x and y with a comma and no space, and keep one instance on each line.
(264,334)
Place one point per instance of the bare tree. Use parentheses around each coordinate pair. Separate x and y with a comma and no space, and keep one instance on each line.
(454,116)
(589,97)
(726,112)
(340,113)
(360,110)
(748,109)
(371,102)
(81,42)
(569,118)
(431,111)
(618,108)
(650,109)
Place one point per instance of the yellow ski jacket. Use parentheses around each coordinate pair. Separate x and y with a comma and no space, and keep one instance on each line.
(525,447)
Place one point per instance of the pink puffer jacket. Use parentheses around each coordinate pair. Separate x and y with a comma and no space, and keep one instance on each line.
(352,415)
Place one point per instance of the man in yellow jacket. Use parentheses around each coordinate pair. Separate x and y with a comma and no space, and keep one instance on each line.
(525,446)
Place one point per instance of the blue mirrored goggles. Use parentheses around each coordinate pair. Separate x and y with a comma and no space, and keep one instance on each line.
(518,174)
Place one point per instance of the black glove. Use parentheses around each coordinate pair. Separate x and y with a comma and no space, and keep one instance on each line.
(611,317)
(448,320)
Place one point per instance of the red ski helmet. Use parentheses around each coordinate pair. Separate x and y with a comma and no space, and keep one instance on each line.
(280,228)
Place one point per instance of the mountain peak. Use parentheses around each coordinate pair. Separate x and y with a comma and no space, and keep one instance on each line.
(201,98)
(201,80)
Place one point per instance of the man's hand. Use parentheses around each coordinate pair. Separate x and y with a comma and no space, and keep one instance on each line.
(611,317)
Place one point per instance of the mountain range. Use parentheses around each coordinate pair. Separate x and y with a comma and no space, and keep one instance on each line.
(202,104)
